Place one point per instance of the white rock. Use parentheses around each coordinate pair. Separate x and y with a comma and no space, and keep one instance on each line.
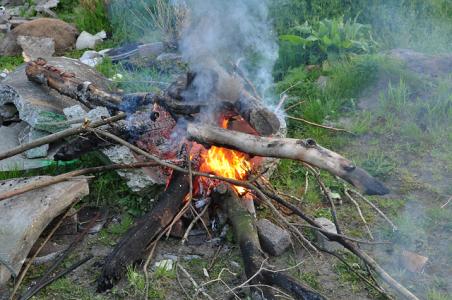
(322,240)
(91,58)
(87,40)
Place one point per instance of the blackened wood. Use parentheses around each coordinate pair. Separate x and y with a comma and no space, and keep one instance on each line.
(257,114)
(132,246)
(252,255)
(67,84)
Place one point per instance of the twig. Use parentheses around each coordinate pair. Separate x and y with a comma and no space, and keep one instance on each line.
(320,125)
(359,241)
(195,284)
(48,274)
(240,72)
(326,192)
(281,103)
(56,277)
(381,291)
(394,227)
(294,105)
(70,175)
(60,135)
(359,212)
(30,261)
(195,220)
(445,204)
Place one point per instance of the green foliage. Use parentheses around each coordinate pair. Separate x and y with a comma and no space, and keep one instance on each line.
(330,39)
(10,62)
(92,16)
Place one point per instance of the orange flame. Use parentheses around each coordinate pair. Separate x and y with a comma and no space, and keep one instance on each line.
(226,163)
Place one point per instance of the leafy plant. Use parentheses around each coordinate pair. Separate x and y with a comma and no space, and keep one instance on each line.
(332,38)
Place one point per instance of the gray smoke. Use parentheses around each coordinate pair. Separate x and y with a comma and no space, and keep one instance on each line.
(228,31)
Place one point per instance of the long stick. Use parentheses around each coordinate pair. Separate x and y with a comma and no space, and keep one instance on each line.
(67,176)
(307,151)
(60,135)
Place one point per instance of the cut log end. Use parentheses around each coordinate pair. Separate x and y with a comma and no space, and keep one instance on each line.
(368,184)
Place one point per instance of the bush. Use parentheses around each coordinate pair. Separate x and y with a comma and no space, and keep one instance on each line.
(92,16)
(327,39)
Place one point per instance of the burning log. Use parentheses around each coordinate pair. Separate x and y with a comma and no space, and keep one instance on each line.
(303,150)
(260,275)
(133,245)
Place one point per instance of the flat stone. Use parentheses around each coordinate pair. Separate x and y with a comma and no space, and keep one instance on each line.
(9,140)
(24,217)
(36,47)
(33,100)
(274,239)
(30,134)
(322,240)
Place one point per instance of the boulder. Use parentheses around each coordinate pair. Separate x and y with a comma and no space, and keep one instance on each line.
(24,217)
(62,33)
(30,134)
(36,47)
(274,239)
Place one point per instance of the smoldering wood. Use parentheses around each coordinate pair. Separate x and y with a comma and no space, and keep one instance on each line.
(67,84)
(252,255)
(307,151)
(132,246)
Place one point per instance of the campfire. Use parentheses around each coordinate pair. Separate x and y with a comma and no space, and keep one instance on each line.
(209,154)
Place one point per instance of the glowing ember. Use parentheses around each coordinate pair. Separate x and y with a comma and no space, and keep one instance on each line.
(227,163)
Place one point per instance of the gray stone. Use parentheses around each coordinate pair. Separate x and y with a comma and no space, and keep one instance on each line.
(9,140)
(44,6)
(322,82)
(137,180)
(36,47)
(87,40)
(24,217)
(91,58)
(8,111)
(322,240)
(30,134)
(32,100)
(274,239)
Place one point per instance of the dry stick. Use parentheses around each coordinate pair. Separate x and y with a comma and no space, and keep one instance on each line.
(355,250)
(60,135)
(394,227)
(56,277)
(294,105)
(195,284)
(447,202)
(71,175)
(359,241)
(320,125)
(30,261)
(281,103)
(347,194)
(195,220)
(327,195)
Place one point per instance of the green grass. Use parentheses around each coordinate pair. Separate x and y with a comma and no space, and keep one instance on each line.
(10,62)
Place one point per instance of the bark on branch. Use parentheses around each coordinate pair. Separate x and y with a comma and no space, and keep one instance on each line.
(303,150)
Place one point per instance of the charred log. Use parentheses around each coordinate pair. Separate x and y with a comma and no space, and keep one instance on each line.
(307,151)
(253,257)
(133,245)
(67,84)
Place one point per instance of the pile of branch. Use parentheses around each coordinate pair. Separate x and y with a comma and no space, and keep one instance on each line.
(261,278)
